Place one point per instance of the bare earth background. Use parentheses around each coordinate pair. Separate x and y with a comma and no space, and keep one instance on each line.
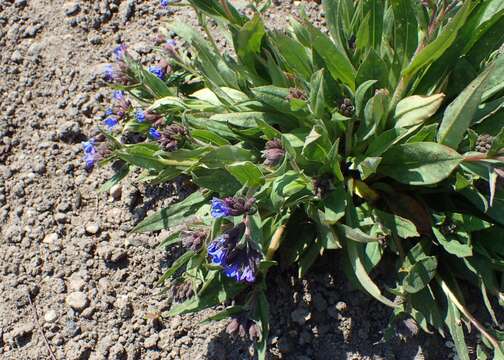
(91,281)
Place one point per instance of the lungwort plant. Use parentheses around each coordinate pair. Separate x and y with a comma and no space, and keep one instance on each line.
(377,142)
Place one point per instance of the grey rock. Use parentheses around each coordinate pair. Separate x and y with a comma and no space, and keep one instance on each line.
(77,300)
(17,57)
(92,228)
(116,192)
(72,329)
(20,3)
(151,341)
(50,316)
(72,9)
(69,131)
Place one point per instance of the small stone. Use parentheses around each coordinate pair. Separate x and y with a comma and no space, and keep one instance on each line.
(151,341)
(17,57)
(50,238)
(341,306)
(76,283)
(50,316)
(92,228)
(72,9)
(116,192)
(20,3)
(77,300)
(72,329)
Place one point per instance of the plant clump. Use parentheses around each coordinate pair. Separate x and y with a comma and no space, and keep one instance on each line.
(382,138)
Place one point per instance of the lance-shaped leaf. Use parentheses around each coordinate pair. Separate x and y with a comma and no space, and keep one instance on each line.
(437,47)
(422,163)
(247,173)
(173,215)
(416,109)
(459,114)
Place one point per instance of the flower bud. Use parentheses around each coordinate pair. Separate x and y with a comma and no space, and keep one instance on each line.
(273,153)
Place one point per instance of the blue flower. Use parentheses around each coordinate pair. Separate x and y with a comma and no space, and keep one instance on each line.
(108,73)
(119,52)
(118,94)
(140,116)
(90,154)
(154,133)
(219,208)
(217,251)
(88,146)
(164,3)
(109,111)
(156,70)
(110,122)
(171,43)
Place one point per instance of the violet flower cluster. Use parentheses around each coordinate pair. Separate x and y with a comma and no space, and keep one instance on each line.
(238,262)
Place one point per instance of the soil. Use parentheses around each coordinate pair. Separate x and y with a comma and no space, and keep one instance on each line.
(67,256)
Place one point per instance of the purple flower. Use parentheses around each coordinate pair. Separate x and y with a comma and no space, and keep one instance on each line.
(89,153)
(109,111)
(154,133)
(156,70)
(108,73)
(219,208)
(118,94)
(140,116)
(119,52)
(239,263)
(164,3)
(171,43)
(110,122)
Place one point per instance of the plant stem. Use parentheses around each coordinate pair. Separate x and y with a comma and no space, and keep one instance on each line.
(466,313)
(348,138)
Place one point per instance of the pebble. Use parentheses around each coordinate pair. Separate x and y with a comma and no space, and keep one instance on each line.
(341,306)
(50,238)
(50,316)
(72,9)
(151,341)
(116,192)
(92,228)
(77,300)
(21,331)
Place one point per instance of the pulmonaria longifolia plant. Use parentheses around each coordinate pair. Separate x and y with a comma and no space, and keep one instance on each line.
(381,138)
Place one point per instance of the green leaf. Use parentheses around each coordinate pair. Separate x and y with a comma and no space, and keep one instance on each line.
(174,215)
(354,252)
(335,205)
(317,145)
(225,314)
(375,9)
(177,264)
(225,155)
(170,240)
(293,53)
(247,173)
(374,68)
(248,41)
(420,274)
(421,163)
(443,41)
(454,323)
(218,180)
(209,137)
(336,61)
(405,30)
(497,144)
(360,96)
(458,244)
(214,9)
(355,234)
(399,226)
(459,114)
(318,104)
(416,109)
